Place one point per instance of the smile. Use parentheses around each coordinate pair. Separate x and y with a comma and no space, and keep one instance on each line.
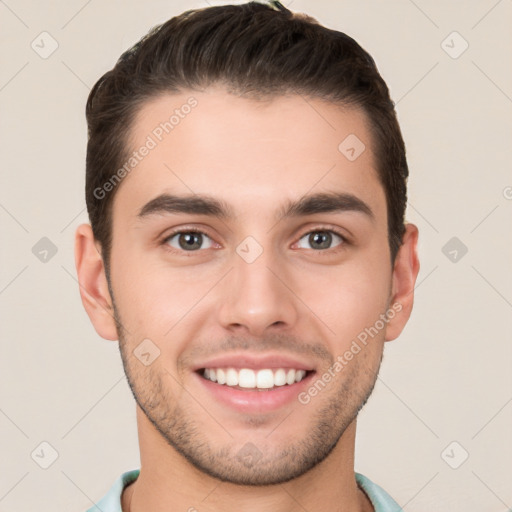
(246,378)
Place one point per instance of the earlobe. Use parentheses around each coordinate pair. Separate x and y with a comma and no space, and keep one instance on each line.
(93,283)
(405,272)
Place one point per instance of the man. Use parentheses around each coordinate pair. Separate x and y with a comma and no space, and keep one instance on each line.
(246,186)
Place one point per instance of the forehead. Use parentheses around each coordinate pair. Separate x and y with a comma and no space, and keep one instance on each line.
(250,154)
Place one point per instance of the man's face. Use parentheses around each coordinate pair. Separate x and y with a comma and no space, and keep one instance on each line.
(256,294)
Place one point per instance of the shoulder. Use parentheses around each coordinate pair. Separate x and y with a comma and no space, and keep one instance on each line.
(381,500)
(111,502)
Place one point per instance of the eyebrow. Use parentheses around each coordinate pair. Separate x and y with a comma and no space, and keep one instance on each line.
(330,202)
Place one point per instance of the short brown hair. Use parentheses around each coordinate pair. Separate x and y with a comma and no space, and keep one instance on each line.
(255,50)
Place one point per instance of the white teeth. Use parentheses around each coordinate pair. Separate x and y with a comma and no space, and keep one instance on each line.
(265,379)
(231,377)
(280,377)
(247,378)
(221,376)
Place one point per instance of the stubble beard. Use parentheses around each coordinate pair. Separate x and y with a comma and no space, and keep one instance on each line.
(247,461)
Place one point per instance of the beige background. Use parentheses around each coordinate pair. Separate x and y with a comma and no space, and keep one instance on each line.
(448,378)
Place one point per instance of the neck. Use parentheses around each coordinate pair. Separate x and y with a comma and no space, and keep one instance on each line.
(167,481)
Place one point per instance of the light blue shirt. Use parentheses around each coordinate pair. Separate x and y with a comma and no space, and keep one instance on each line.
(111,502)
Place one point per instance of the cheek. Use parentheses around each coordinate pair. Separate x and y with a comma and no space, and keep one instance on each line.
(154,299)
(348,299)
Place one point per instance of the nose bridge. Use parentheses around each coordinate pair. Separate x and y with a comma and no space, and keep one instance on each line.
(256,298)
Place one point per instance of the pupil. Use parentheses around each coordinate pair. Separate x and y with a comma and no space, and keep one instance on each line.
(321,239)
(190,241)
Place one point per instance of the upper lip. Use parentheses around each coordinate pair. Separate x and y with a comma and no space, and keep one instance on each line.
(255,362)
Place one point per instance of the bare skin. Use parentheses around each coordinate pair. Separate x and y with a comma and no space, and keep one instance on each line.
(198,300)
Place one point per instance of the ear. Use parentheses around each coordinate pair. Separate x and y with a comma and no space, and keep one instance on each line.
(405,271)
(93,283)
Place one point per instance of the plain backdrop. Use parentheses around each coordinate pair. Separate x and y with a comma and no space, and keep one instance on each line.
(437,432)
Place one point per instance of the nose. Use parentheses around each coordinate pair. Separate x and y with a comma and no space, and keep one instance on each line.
(258,297)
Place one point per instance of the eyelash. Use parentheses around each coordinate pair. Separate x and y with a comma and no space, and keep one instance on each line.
(334,250)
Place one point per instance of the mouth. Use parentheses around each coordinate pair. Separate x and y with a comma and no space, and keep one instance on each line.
(253,384)
(249,379)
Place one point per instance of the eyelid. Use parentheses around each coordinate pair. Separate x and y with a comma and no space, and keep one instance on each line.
(184,229)
(329,228)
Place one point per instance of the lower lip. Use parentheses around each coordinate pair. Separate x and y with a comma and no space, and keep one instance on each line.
(254,400)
